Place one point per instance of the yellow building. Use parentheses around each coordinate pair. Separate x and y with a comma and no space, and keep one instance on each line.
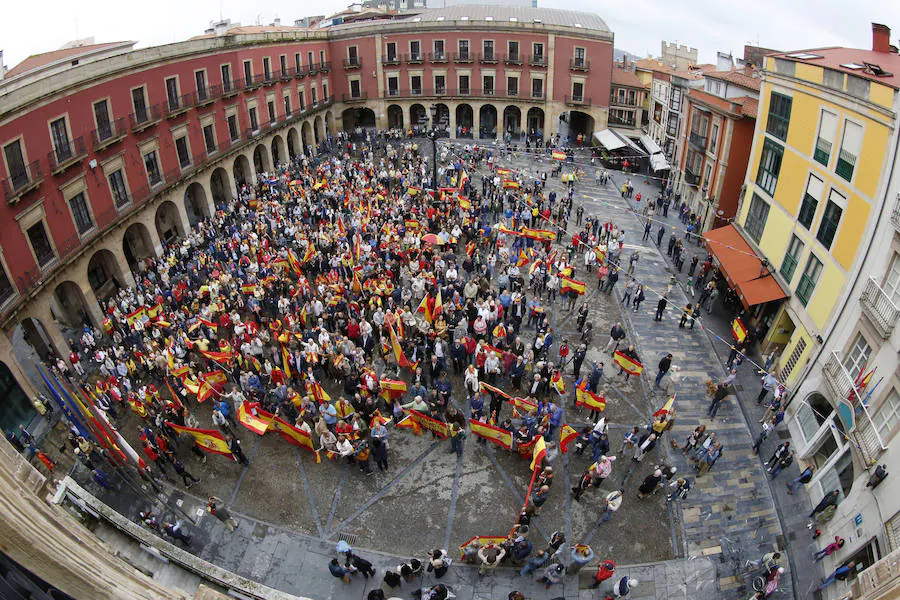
(817,175)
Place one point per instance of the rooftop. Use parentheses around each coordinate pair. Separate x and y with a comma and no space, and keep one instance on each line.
(625,77)
(744,77)
(520,14)
(36,61)
(744,106)
(651,64)
(854,61)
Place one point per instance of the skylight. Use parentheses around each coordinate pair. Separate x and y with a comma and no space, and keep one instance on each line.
(439,19)
(464,18)
(489,18)
(514,19)
(804,55)
(853,66)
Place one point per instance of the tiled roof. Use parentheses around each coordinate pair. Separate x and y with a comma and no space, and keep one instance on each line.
(521,14)
(746,78)
(36,61)
(835,57)
(626,78)
(749,106)
(651,64)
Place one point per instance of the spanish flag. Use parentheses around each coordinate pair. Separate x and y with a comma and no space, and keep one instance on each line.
(539,234)
(341,227)
(295,264)
(566,436)
(425,309)
(154,311)
(571,285)
(252,417)
(510,184)
(463,179)
(412,190)
(629,365)
(464,203)
(557,383)
(248,288)
(470,249)
(558,155)
(600,254)
(216,379)
(219,357)
(309,253)
(208,439)
(438,305)
(523,404)
(539,452)
(402,361)
(315,390)
(523,259)
(498,435)
(738,330)
(292,435)
(411,224)
(392,388)
(492,390)
(356,286)
(344,409)
(591,400)
(285,359)
(666,408)
(502,172)
(134,316)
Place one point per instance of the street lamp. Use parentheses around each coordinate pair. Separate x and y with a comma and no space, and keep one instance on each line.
(432,135)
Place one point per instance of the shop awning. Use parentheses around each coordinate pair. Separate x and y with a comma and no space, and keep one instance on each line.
(741,267)
(608,139)
(658,162)
(628,137)
(648,143)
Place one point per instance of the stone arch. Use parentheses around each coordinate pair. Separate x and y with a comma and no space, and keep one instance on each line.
(573,122)
(418,116)
(358,116)
(15,407)
(512,121)
(168,222)
(395,116)
(306,134)
(137,245)
(103,273)
(261,159)
(196,206)
(465,120)
(534,122)
(293,143)
(241,171)
(487,121)
(33,332)
(329,122)
(70,306)
(442,117)
(220,187)
(318,130)
(279,155)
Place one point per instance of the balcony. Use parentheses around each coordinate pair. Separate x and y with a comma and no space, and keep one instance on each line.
(579,64)
(325,67)
(538,95)
(414,58)
(288,73)
(349,98)
(208,95)
(437,57)
(313,68)
(462,57)
(271,78)
(20,183)
(178,105)
(488,58)
(66,155)
(880,308)
(538,60)
(354,62)
(881,580)
(895,214)
(141,120)
(698,141)
(300,73)
(390,60)
(837,379)
(512,93)
(231,88)
(109,133)
(691,178)
(254,82)
(616,101)
(512,59)
(578,101)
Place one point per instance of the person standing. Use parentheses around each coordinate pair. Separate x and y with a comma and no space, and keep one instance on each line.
(830,549)
(624,586)
(457,437)
(612,502)
(718,397)
(176,532)
(552,575)
(830,499)
(664,365)
(338,571)
(661,308)
(605,570)
(768,383)
(616,335)
(650,484)
(215,508)
(804,478)
(767,429)
(439,562)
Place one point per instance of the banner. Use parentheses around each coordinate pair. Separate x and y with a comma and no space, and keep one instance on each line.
(208,439)
(439,428)
(566,436)
(629,365)
(738,330)
(591,400)
(257,423)
(498,435)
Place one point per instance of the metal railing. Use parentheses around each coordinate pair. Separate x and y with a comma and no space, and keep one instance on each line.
(361,97)
(512,59)
(464,93)
(391,60)
(354,62)
(836,377)
(413,58)
(109,133)
(65,155)
(150,116)
(880,308)
(579,65)
(577,101)
(613,99)
(462,57)
(895,213)
(538,60)
(21,182)
(488,58)
(690,177)
(698,141)
(437,57)
(881,580)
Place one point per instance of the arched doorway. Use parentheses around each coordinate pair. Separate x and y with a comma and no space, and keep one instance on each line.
(306,134)
(329,122)
(15,408)
(358,117)
(442,118)
(261,159)
(168,222)
(241,171)
(418,116)
(395,116)
(137,245)
(70,306)
(317,130)
(487,121)
(512,122)
(195,203)
(573,122)
(535,122)
(104,275)
(278,152)
(464,121)
(218,185)
(293,143)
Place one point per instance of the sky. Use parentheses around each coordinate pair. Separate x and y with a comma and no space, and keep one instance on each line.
(639,25)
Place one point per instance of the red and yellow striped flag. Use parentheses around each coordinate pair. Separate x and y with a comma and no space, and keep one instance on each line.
(629,365)
(257,423)
(498,435)
(540,451)
(208,439)
(591,400)
(510,184)
(558,155)
(571,285)
(566,436)
(738,330)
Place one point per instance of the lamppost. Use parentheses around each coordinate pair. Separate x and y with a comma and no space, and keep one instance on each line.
(432,135)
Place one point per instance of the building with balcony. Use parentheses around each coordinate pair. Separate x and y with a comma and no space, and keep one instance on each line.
(819,208)
(627,100)
(111,154)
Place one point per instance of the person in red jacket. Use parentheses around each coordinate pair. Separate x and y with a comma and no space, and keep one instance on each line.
(605,570)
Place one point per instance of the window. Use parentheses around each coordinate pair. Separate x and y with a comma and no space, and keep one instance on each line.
(825,141)
(322,57)
(233,131)
(415,50)
(850,147)
(891,285)
(209,138)
(139,101)
(857,356)
(512,86)
(537,88)
(714,138)
(888,415)
(248,72)
(464,85)
(324,91)
(354,88)
(302,100)
(415,85)
(440,84)
(512,51)
(254,119)
(392,51)
(756,218)
(831,218)
(184,154)
(287,105)
(6,288)
(309,59)
(267,68)
(172,93)
(463,46)
(151,164)
(791,258)
(814,190)
(200,79)
(439,49)
(488,49)
(282,61)
(769,166)
(393,86)
(226,78)
(270,107)
(117,188)
(577,91)
(779,115)
(808,279)
(353,55)
(298,64)
(538,50)
(15,164)
(314,96)
(488,85)
(80,213)
(40,244)
(59,132)
(579,57)
(101,115)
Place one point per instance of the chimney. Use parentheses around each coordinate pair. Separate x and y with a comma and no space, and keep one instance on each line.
(881,38)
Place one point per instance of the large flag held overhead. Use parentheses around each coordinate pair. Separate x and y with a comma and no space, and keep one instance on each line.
(589,399)
(498,435)
(666,408)
(629,365)
(567,284)
(253,418)
(208,439)
(567,435)
(738,330)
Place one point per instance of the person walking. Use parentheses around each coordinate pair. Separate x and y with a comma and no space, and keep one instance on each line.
(661,307)
(767,428)
(234,444)
(830,499)
(188,479)
(358,564)
(768,383)
(552,575)
(687,315)
(664,365)
(176,532)
(611,504)
(718,397)
(535,562)
(830,549)
(842,573)
(624,586)
(215,507)
(804,478)
(650,484)
(783,463)
(638,297)
(616,335)
(605,570)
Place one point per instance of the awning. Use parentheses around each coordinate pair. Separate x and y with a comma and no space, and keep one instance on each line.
(741,267)
(608,139)
(658,162)
(628,137)
(648,143)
